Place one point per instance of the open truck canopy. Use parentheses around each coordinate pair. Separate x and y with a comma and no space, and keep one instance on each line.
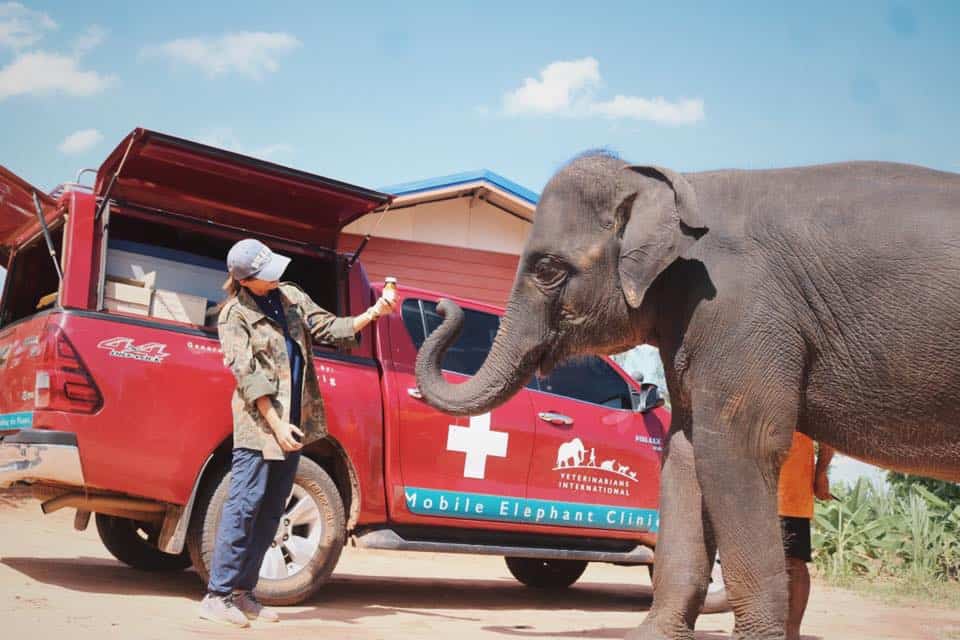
(158,171)
(18,213)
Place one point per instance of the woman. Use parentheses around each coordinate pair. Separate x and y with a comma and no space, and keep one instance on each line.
(266,331)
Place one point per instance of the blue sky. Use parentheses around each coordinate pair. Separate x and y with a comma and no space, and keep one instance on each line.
(382,93)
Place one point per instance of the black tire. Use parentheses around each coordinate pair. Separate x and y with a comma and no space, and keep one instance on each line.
(135,544)
(715,602)
(546,574)
(311,477)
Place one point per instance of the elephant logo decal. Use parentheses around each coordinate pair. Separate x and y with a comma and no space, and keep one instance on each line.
(570,454)
(574,455)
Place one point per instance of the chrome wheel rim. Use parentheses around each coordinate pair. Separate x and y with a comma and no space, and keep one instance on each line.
(297,539)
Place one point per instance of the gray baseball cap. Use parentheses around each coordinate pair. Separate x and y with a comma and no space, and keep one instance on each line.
(251,258)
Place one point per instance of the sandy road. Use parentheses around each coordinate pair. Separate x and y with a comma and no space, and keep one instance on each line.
(57,583)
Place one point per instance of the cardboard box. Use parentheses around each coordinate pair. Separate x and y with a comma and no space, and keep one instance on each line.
(181,307)
(125,307)
(127,298)
(147,280)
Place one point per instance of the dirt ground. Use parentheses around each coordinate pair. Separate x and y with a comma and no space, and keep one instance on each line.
(56,582)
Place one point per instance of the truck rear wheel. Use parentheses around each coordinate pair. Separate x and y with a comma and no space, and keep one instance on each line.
(135,544)
(546,574)
(298,564)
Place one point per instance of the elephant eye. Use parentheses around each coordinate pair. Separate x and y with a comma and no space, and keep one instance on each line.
(551,272)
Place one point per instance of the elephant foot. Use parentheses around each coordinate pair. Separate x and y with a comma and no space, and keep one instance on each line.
(648,631)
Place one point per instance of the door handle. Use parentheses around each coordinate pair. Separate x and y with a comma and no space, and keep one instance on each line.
(555,418)
(413,392)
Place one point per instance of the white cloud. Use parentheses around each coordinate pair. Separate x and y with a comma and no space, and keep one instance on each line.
(566,88)
(89,39)
(43,72)
(80,141)
(658,109)
(224,138)
(244,52)
(21,27)
(39,72)
(559,84)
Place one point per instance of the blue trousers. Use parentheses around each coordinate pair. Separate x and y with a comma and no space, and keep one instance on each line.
(258,497)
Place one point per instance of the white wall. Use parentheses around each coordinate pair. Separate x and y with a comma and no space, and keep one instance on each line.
(644,360)
(450,222)
(848,470)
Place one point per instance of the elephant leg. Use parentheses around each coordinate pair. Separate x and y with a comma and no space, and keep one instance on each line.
(685,548)
(738,449)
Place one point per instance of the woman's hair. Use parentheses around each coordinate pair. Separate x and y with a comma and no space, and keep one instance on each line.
(232,286)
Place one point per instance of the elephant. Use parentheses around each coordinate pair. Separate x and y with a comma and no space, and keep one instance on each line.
(822,299)
(570,454)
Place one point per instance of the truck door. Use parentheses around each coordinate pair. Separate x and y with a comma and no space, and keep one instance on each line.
(452,467)
(596,460)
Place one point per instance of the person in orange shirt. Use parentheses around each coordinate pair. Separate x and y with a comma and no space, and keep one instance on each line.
(801,479)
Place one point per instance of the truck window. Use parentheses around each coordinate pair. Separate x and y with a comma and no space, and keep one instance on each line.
(588,379)
(31,284)
(167,272)
(420,317)
(468,353)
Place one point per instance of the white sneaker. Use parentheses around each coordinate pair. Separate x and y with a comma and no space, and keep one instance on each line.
(251,607)
(221,609)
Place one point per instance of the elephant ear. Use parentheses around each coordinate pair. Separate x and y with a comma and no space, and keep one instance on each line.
(657,221)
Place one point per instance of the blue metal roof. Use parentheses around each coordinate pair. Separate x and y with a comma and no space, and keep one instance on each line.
(443,182)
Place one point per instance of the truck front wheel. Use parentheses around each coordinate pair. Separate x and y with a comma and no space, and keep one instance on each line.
(135,544)
(308,542)
(546,574)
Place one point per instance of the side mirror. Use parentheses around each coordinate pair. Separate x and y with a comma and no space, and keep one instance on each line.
(648,398)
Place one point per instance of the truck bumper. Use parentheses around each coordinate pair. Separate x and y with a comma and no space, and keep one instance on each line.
(37,455)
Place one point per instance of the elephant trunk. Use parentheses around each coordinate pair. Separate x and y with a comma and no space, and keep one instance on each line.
(509,365)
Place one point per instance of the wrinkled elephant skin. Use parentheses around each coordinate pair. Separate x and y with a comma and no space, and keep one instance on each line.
(823,299)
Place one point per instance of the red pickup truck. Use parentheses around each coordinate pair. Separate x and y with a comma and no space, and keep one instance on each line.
(114,399)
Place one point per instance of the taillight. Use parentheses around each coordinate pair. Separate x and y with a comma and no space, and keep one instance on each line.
(62,381)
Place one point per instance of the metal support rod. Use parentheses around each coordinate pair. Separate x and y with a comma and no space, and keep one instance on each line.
(46,236)
(366,239)
(113,179)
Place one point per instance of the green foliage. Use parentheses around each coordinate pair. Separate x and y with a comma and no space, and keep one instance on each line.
(910,531)
(901,483)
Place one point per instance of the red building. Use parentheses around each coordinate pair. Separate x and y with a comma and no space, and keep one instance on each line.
(459,234)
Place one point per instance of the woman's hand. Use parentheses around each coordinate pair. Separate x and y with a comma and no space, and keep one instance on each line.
(379,308)
(283,431)
(287,435)
(383,306)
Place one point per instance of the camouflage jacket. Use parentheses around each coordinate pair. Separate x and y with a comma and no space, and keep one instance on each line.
(255,350)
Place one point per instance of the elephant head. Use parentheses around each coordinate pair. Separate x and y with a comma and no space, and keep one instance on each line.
(603,231)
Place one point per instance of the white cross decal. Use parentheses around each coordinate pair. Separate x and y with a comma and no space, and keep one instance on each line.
(478,442)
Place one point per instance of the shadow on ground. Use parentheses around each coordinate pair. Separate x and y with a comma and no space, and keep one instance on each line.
(346,597)
(521,631)
(354,599)
(98,575)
